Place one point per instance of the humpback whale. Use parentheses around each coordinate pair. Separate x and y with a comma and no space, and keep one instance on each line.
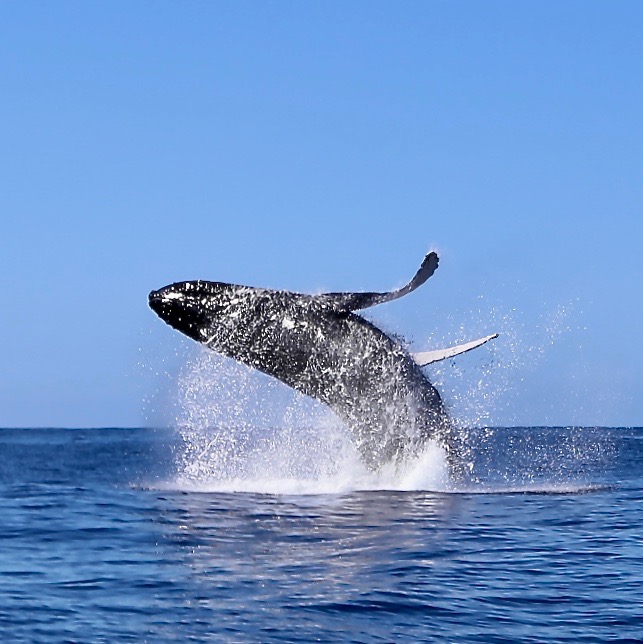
(319,346)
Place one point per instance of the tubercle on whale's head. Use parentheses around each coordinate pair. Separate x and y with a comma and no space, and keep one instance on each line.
(193,308)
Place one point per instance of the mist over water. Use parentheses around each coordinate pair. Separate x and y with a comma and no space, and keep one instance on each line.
(242,431)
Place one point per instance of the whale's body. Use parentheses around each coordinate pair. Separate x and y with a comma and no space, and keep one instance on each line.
(318,346)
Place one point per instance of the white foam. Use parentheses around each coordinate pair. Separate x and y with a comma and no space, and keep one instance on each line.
(268,473)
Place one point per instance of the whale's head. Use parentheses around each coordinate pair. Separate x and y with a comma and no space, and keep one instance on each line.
(198,308)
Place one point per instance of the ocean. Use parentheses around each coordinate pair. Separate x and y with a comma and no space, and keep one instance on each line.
(139,535)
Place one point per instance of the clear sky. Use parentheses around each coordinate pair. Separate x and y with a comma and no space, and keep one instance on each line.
(323,145)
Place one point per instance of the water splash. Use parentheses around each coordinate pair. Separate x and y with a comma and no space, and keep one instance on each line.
(242,431)
(481,389)
(480,384)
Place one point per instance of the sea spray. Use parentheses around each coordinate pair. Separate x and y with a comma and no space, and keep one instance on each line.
(480,386)
(242,428)
(243,431)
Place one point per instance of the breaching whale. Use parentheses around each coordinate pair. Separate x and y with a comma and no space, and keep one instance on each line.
(319,346)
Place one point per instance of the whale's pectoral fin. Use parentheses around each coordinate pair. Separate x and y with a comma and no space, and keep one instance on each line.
(427,357)
(355,301)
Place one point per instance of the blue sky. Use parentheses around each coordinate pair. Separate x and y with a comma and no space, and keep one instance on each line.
(323,145)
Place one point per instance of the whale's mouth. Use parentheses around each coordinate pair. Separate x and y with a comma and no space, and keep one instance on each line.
(163,302)
(171,302)
(180,310)
(164,297)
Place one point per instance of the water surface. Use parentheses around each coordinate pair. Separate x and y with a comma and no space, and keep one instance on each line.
(105,538)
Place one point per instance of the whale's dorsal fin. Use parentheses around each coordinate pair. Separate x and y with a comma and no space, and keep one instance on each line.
(355,301)
(427,357)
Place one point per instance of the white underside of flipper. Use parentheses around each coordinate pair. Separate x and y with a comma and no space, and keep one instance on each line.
(427,357)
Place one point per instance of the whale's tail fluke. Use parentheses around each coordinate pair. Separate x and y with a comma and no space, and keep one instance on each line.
(356,301)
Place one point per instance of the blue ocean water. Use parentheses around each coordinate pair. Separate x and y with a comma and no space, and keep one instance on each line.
(106,538)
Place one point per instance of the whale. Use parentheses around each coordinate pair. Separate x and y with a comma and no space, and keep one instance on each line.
(319,346)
